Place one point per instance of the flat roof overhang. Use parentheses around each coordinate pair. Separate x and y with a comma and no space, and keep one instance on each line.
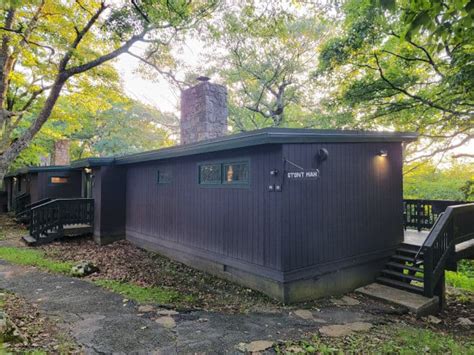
(268,136)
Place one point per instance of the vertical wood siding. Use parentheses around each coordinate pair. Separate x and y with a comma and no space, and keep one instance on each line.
(44,188)
(227,223)
(354,208)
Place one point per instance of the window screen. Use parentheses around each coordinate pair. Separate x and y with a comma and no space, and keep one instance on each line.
(236,173)
(164,176)
(210,174)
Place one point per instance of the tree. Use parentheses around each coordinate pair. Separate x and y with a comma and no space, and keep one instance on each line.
(407,65)
(46,45)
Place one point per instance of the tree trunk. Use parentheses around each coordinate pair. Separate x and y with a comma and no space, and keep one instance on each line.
(11,153)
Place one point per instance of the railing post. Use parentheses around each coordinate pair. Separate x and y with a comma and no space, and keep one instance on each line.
(418,215)
(428,272)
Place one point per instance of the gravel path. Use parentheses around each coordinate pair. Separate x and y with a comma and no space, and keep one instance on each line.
(102,322)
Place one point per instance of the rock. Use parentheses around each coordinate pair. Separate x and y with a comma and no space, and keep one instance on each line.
(303,314)
(254,346)
(465,321)
(346,301)
(203,320)
(166,322)
(340,330)
(166,312)
(433,319)
(145,309)
(83,268)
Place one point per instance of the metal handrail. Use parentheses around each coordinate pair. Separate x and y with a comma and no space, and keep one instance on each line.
(415,258)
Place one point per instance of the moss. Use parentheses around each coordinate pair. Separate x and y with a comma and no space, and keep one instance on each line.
(159,295)
(32,257)
(386,340)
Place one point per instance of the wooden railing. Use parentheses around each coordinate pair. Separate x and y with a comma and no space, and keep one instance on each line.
(51,217)
(456,225)
(20,202)
(25,215)
(422,214)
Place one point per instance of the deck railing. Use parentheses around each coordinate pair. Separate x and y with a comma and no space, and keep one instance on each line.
(422,214)
(51,217)
(20,202)
(456,225)
(25,215)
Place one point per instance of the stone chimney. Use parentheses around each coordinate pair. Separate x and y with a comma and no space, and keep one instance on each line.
(203,112)
(60,154)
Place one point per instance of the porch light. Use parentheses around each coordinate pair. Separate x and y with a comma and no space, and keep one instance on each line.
(87,170)
(383,153)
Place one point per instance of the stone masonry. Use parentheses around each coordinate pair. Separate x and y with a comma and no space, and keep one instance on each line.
(203,112)
(60,154)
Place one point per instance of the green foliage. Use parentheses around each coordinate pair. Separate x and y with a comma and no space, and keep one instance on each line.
(464,277)
(36,258)
(405,65)
(428,182)
(158,295)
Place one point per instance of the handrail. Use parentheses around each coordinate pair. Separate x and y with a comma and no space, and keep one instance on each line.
(56,200)
(39,202)
(453,227)
(420,249)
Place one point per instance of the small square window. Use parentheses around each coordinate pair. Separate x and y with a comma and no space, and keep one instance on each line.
(210,174)
(236,173)
(59,180)
(164,176)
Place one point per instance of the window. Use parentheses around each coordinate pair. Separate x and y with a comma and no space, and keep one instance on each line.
(164,176)
(210,174)
(59,180)
(236,173)
(225,173)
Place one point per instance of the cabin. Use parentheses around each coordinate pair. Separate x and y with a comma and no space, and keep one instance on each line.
(295,213)
(33,184)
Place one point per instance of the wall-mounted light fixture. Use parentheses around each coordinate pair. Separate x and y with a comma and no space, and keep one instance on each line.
(383,153)
(322,154)
(87,170)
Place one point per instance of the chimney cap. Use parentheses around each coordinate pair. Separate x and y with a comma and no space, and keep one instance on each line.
(203,78)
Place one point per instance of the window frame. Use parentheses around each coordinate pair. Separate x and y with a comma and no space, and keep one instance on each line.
(162,169)
(58,183)
(222,183)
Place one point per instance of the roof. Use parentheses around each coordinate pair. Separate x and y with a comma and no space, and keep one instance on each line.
(267,136)
(235,141)
(38,169)
(92,162)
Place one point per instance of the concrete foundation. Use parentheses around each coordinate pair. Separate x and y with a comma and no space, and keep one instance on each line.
(334,282)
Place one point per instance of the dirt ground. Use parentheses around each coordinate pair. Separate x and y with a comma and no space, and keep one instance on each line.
(230,308)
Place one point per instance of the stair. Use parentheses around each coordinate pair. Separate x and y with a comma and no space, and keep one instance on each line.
(402,271)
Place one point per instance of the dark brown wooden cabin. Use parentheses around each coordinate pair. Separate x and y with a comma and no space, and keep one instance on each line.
(32,184)
(295,213)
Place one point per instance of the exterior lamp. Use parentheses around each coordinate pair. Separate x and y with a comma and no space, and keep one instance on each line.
(87,170)
(383,153)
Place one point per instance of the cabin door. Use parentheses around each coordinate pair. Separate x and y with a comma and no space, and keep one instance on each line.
(86,184)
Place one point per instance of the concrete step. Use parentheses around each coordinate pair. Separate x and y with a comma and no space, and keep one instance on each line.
(29,240)
(417,304)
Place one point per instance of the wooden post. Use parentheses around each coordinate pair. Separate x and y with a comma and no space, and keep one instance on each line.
(440,291)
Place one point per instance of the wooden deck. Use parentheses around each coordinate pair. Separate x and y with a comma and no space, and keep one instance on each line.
(464,250)
(413,237)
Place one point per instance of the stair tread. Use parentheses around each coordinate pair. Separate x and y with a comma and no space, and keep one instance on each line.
(402,266)
(405,258)
(408,251)
(401,274)
(403,285)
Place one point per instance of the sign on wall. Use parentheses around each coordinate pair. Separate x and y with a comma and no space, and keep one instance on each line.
(303,175)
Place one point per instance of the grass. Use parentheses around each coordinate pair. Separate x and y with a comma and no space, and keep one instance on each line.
(159,295)
(464,277)
(32,257)
(384,340)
